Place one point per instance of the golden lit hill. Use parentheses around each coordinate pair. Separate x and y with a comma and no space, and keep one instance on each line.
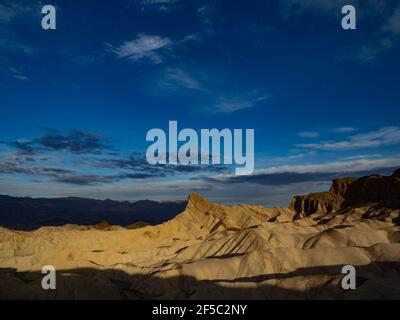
(214,251)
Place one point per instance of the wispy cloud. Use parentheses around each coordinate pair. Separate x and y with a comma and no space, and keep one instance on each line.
(97,179)
(384,39)
(308,134)
(16,74)
(290,8)
(75,142)
(16,167)
(175,78)
(145,46)
(204,12)
(179,80)
(206,15)
(135,171)
(152,48)
(84,59)
(90,157)
(368,51)
(393,23)
(10,10)
(137,162)
(336,166)
(383,11)
(363,156)
(10,44)
(5,13)
(343,129)
(228,104)
(319,172)
(13,13)
(159,5)
(78,142)
(382,137)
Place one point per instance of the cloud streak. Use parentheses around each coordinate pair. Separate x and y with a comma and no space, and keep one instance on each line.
(343,129)
(308,134)
(201,85)
(158,5)
(322,172)
(78,142)
(12,167)
(99,166)
(145,46)
(383,137)
(177,78)
(228,104)
(152,48)
(10,10)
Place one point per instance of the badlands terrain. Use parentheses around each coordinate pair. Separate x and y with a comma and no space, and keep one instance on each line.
(212,251)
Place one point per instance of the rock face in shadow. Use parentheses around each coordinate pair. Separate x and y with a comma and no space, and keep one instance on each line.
(321,202)
(347,192)
(384,190)
(213,251)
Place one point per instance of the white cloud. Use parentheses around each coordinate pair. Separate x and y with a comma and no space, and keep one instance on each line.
(336,166)
(16,74)
(382,137)
(178,80)
(343,129)
(308,134)
(228,104)
(10,44)
(371,50)
(10,10)
(364,156)
(176,77)
(153,48)
(265,160)
(206,15)
(12,14)
(158,5)
(145,46)
(21,77)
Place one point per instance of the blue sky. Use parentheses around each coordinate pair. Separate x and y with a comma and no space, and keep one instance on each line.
(76,103)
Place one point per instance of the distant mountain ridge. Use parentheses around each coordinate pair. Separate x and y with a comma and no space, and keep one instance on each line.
(28,213)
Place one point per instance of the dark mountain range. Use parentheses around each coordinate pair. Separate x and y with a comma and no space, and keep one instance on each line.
(27,213)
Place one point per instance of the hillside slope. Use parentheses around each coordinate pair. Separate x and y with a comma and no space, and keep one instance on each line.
(218,252)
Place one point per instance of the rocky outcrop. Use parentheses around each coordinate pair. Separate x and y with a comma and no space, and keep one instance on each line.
(322,202)
(341,185)
(396,174)
(211,251)
(384,191)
